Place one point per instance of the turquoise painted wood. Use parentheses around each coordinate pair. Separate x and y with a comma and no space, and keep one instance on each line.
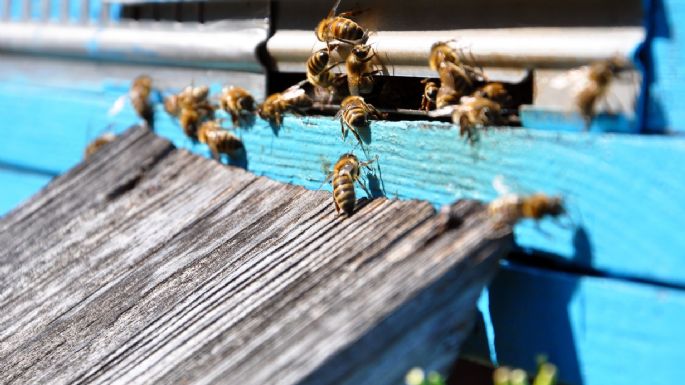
(16,187)
(620,188)
(598,330)
(666,54)
(55,11)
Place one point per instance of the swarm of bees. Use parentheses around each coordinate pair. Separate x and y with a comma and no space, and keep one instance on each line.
(345,75)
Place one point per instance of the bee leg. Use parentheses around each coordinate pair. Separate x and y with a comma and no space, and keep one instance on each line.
(342,128)
(546,234)
(356,135)
(366,190)
(235,119)
(337,208)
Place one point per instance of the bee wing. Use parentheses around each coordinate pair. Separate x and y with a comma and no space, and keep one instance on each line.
(574,80)
(334,9)
(117,106)
(504,187)
(293,92)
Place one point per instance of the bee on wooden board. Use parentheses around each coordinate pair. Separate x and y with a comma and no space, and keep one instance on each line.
(345,174)
(340,28)
(293,99)
(237,102)
(98,143)
(219,140)
(139,93)
(509,208)
(354,114)
(599,77)
(474,113)
(361,67)
(430,94)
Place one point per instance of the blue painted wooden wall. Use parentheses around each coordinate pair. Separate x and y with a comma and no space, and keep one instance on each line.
(604,296)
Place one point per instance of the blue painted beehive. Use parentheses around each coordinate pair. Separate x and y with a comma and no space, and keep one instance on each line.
(602,296)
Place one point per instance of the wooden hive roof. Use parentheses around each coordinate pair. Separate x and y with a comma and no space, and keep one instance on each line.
(147,264)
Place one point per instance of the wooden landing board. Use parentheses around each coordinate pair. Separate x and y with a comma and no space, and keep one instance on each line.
(148,264)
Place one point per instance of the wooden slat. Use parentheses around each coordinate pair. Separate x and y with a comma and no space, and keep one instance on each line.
(597,330)
(147,264)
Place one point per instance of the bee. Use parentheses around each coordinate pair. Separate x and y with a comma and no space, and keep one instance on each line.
(293,99)
(354,114)
(237,102)
(194,108)
(139,93)
(319,71)
(473,113)
(441,52)
(455,82)
(345,174)
(219,140)
(360,69)
(172,105)
(510,208)
(430,94)
(341,28)
(494,91)
(599,78)
(96,144)
(456,78)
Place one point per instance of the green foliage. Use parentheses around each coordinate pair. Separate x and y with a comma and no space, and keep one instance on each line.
(546,375)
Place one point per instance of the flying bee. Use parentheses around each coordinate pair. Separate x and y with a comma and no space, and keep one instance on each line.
(139,93)
(494,91)
(354,114)
(430,94)
(219,140)
(510,208)
(339,27)
(599,78)
(360,69)
(293,99)
(237,102)
(474,113)
(345,174)
(98,143)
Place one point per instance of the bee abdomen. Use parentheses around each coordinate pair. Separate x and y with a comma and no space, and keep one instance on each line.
(347,29)
(355,117)
(343,192)
(317,62)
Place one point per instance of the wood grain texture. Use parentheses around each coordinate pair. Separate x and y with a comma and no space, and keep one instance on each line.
(151,265)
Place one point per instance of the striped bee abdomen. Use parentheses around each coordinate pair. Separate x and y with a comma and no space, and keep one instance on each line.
(343,192)
(355,116)
(317,62)
(346,29)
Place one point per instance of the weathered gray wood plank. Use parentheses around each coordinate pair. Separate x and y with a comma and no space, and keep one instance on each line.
(150,265)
